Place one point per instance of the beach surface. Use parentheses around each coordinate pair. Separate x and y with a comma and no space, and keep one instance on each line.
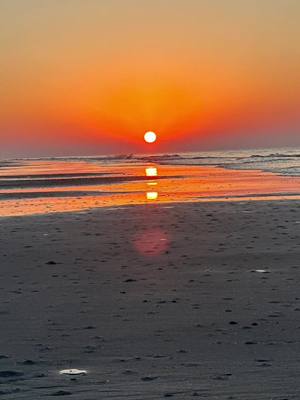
(180,300)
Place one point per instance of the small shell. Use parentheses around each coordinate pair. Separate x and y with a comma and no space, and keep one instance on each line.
(73,371)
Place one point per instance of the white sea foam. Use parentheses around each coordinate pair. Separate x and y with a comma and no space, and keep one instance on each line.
(280,161)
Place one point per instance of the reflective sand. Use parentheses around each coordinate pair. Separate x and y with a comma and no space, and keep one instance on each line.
(39,187)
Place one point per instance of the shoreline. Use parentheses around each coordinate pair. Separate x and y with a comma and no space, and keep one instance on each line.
(134,184)
(43,208)
(138,184)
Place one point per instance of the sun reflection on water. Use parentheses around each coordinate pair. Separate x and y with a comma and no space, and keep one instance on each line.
(151,172)
(152,195)
(58,187)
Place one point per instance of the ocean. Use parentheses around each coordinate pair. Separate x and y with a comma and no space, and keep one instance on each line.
(64,184)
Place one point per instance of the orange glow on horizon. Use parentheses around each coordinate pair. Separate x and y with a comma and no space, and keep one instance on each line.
(100,76)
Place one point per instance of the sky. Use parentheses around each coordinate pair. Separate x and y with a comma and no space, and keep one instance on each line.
(82,77)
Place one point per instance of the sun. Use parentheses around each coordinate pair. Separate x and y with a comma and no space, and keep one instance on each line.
(150,137)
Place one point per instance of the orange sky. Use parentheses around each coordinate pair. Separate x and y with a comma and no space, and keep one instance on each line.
(89,76)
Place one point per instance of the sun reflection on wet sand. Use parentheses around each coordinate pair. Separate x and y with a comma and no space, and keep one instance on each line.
(152,195)
(146,185)
(151,171)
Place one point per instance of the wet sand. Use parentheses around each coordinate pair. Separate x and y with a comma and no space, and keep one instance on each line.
(39,187)
(70,182)
(154,301)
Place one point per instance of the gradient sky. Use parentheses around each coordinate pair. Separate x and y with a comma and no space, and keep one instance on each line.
(91,76)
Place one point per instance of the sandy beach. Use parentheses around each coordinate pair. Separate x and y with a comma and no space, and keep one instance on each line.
(153,301)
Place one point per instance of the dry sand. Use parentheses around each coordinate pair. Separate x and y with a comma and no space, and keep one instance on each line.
(153,301)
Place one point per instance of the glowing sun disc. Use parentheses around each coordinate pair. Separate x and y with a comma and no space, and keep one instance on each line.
(150,137)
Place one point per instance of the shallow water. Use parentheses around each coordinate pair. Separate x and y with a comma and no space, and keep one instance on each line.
(75,184)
